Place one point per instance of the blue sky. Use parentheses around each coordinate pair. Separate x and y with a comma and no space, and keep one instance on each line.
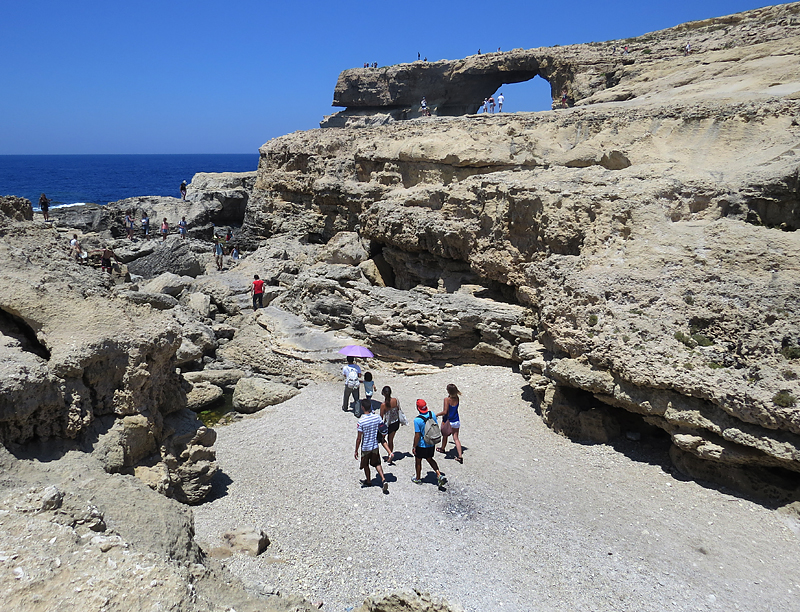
(171,76)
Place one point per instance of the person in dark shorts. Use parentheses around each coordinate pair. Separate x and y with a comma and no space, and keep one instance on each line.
(421,450)
(390,413)
(257,289)
(105,258)
(367,441)
(44,204)
(183,190)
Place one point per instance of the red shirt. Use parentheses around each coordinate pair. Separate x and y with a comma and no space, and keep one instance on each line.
(258,286)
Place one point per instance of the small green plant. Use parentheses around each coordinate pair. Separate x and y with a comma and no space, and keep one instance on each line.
(702,340)
(592,320)
(791,352)
(784,399)
(636,311)
(789,375)
(689,299)
(688,365)
(684,339)
(714,365)
(646,51)
(626,338)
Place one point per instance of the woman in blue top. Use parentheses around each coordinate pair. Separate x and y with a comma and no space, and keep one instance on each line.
(450,416)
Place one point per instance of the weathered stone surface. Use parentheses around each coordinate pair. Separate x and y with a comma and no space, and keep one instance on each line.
(13,208)
(173,256)
(406,602)
(202,395)
(647,246)
(249,541)
(253,394)
(587,73)
(225,193)
(344,248)
(168,283)
(220,378)
(159,301)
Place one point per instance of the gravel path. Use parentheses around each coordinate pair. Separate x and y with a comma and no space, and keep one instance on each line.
(531,521)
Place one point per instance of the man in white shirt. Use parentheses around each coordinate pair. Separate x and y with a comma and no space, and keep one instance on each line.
(367,440)
(352,381)
(500,100)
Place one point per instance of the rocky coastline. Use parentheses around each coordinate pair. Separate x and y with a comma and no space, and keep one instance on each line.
(634,256)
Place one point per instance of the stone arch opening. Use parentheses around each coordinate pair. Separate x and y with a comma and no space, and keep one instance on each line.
(526,96)
(15,327)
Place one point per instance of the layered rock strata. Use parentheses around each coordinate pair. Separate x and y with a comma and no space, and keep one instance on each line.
(639,257)
(584,73)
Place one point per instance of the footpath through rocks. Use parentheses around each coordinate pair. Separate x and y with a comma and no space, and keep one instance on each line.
(530,521)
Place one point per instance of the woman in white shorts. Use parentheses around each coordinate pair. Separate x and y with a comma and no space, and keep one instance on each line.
(451,422)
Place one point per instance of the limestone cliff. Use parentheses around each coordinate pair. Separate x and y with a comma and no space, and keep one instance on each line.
(640,245)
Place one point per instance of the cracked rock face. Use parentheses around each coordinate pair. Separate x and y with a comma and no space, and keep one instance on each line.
(648,246)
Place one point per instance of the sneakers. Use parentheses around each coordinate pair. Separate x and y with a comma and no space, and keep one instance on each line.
(442,480)
(416,480)
(385,487)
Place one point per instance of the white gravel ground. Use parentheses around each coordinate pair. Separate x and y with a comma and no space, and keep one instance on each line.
(530,522)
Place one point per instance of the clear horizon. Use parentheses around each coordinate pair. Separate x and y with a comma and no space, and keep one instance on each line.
(98,78)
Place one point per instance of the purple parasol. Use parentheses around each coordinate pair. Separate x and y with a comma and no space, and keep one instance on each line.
(354,350)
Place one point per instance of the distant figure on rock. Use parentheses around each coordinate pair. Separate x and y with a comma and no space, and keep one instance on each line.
(625,50)
(76,250)
(451,422)
(145,224)
(44,204)
(257,289)
(182,228)
(500,100)
(229,235)
(491,104)
(164,230)
(418,56)
(422,448)
(352,381)
(105,258)
(219,252)
(564,98)
(367,441)
(426,59)
(235,253)
(688,49)
(485,105)
(423,108)
(479,51)
(129,222)
(183,190)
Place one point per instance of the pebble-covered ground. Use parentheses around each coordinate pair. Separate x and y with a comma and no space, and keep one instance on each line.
(530,522)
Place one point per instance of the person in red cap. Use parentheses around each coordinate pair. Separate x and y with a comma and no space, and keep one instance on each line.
(422,449)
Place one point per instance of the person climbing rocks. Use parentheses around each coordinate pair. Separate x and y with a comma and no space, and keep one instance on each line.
(183,190)
(106,253)
(182,225)
(367,441)
(352,381)
(219,252)
(164,230)
(129,223)
(257,289)
(421,449)
(44,204)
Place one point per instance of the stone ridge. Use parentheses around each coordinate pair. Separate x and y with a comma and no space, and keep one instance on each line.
(585,72)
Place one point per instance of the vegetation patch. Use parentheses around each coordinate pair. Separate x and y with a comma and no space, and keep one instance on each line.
(592,320)
(714,365)
(784,399)
(789,375)
(702,340)
(684,339)
(688,365)
(791,352)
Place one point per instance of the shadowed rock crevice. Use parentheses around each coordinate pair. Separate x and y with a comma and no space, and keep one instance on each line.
(15,327)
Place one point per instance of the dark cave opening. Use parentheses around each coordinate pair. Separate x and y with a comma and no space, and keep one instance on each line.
(15,327)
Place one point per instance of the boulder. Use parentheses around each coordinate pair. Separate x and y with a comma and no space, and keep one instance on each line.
(168,283)
(220,378)
(200,303)
(254,394)
(13,208)
(344,248)
(202,395)
(159,301)
(172,256)
(249,541)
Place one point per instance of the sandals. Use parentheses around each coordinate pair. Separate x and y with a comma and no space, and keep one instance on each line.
(460,459)
(440,450)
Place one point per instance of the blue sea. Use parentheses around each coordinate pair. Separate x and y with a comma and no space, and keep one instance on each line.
(100,179)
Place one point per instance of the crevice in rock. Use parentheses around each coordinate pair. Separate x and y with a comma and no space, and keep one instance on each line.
(15,327)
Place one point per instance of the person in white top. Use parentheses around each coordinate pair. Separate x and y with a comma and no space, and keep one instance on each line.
(352,382)
(367,441)
(500,100)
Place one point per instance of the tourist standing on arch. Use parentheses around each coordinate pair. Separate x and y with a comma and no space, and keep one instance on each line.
(491,104)
(183,190)
(500,100)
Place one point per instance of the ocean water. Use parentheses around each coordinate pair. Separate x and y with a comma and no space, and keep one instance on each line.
(99,179)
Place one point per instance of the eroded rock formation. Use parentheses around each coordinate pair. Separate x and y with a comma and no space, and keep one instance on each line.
(647,65)
(644,250)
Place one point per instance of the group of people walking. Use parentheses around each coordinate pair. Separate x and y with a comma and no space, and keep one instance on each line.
(489,103)
(378,429)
